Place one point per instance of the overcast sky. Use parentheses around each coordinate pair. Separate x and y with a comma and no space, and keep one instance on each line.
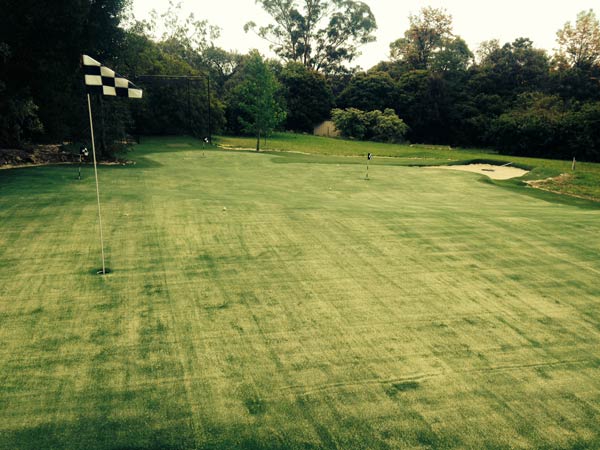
(474,20)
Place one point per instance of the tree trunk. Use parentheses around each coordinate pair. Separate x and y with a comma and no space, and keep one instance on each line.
(258,141)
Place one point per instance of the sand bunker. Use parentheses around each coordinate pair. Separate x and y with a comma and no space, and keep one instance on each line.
(494,172)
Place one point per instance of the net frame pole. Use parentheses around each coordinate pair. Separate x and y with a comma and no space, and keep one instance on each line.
(209,109)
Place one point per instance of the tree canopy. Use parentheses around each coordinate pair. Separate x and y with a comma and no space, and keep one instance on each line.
(429,34)
(259,111)
(369,91)
(321,34)
(40,49)
(579,45)
(307,95)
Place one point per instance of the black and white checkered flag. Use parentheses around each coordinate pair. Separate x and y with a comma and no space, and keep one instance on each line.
(102,80)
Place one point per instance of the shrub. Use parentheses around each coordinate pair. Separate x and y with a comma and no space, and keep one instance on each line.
(351,122)
(389,127)
(376,125)
(18,120)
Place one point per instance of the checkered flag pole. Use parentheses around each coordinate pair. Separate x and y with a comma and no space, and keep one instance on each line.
(102,80)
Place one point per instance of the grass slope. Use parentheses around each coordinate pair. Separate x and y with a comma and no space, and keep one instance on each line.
(584,182)
(421,309)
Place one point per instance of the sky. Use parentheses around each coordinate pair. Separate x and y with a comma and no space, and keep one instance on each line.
(474,20)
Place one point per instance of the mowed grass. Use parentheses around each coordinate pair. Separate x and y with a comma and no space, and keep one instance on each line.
(583,182)
(420,309)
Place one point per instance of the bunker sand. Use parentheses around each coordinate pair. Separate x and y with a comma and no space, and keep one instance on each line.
(494,172)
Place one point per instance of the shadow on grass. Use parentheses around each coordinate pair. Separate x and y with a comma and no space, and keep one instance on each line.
(97,435)
(521,187)
(135,435)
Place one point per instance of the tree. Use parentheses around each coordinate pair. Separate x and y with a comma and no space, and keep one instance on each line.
(255,98)
(322,35)
(183,36)
(18,119)
(388,127)
(369,91)
(486,49)
(46,41)
(576,71)
(383,126)
(583,127)
(308,97)
(494,84)
(546,126)
(221,65)
(579,45)
(185,49)
(351,122)
(512,69)
(18,112)
(428,32)
(531,127)
(453,56)
(419,106)
(395,69)
(177,106)
(576,83)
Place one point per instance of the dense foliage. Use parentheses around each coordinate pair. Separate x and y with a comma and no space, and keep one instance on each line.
(375,125)
(258,111)
(40,49)
(307,95)
(320,34)
(513,97)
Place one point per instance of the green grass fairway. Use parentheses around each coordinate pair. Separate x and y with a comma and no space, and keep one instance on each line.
(584,182)
(420,309)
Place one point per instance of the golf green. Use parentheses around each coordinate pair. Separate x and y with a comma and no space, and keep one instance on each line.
(260,305)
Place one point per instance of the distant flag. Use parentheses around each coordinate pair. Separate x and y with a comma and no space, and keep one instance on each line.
(102,80)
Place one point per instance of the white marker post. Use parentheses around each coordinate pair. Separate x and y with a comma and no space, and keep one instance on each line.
(82,152)
(97,186)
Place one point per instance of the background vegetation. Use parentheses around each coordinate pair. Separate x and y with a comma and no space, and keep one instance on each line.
(513,97)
